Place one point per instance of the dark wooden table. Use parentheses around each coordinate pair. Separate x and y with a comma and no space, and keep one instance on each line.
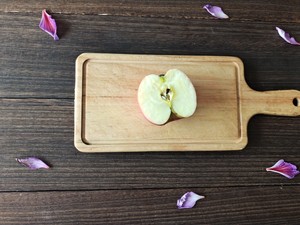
(37,108)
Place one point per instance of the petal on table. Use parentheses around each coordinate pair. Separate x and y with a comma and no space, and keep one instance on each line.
(48,25)
(216,11)
(33,163)
(286,36)
(284,168)
(188,200)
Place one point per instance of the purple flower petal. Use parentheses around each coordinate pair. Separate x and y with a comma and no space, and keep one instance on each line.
(48,25)
(33,163)
(286,36)
(286,169)
(216,11)
(188,200)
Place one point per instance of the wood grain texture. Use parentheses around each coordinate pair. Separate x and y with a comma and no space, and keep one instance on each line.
(106,103)
(44,128)
(36,115)
(108,117)
(243,205)
(254,10)
(33,65)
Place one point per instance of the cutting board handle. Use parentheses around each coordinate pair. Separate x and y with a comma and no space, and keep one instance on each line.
(281,103)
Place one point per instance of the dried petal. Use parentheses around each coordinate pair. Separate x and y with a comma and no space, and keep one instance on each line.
(286,36)
(33,163)
(188,200)
(48,25)
(216,11)
(286,169)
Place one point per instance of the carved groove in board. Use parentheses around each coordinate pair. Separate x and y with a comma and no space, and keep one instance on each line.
(110,120)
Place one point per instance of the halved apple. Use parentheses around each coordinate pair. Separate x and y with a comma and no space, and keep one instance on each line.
(160,95)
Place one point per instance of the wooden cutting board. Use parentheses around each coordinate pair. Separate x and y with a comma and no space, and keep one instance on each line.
(108,118)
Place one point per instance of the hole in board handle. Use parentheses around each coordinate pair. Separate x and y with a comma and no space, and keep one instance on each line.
(296,102)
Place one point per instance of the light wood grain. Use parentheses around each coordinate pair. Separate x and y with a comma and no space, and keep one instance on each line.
(108,118)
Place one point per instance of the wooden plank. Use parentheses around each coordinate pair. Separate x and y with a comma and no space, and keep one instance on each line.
(40,72)
(44,128)
(33,65)
(105,104)
(254,10)
(250,205)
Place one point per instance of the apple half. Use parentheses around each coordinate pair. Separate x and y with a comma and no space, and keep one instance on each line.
(161,95)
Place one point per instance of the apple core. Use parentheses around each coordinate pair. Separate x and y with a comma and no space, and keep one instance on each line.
(161,95)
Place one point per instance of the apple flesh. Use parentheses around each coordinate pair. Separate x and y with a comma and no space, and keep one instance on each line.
(161,95)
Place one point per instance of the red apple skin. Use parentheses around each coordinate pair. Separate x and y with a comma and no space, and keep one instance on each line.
(176,110)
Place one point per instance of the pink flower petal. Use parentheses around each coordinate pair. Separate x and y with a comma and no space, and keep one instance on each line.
(48,25)
(188,200)
(286,36)
(286,169)
(216,11)
(33,163)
